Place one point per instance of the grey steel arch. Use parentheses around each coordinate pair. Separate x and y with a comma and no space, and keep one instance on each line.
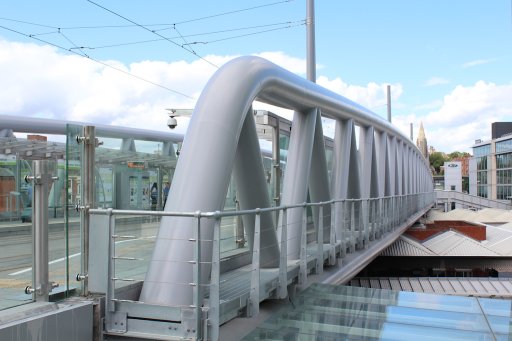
(221,137)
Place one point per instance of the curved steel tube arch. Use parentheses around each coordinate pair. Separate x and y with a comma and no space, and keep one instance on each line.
(208,155)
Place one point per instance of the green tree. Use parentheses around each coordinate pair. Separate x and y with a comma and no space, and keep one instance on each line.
(454,155)
(437,159)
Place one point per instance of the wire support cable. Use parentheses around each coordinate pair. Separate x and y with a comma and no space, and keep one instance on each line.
(58,30)
(246,34)
(169,26)
(153,32)
(231,12)
(72,43)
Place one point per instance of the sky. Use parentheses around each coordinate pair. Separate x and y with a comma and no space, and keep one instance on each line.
(123,62)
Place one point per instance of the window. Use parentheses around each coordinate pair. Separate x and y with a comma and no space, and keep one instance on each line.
(481,191)
(504,176)
(503,192)
(482,150)
(481,178)
(503,161)
(481,163)
(504,146)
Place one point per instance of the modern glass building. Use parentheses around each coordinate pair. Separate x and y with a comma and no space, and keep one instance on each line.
(490,169)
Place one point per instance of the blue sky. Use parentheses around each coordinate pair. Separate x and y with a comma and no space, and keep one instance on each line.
(448,61)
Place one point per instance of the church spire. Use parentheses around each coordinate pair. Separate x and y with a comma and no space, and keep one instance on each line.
(421,133)
(421,142)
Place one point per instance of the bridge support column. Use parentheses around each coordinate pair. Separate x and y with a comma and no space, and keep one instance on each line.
(297,175)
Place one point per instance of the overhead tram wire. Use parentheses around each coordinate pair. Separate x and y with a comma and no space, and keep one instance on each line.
(231,12)
(72,43)
(147,29)
(184,40)
(149,25)
(58,30)
(28,23)
(97,61)
(288,24)
(245,35)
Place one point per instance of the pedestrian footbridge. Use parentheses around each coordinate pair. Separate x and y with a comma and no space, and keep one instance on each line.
(204,260)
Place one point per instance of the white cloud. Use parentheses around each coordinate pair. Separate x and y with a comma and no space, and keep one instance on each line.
(465,115)
(372,96)
(436,81)
(430,105)
(295,65)
(39,81)
(477,62)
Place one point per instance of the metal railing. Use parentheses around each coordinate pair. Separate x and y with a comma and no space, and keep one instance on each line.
(469,201)
(363,220)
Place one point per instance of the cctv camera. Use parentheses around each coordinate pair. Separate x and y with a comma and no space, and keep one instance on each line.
(172,122)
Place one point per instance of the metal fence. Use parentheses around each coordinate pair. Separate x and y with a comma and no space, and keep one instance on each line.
(230,290)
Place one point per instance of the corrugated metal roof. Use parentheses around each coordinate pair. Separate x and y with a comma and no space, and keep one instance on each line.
(451,243)
(465,286)
(405,246)
(507,226)
(499,239)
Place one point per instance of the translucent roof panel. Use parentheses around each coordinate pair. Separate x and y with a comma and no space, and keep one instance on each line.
(327,312)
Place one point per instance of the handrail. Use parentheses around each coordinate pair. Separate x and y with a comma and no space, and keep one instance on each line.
(231,213)
(470,199)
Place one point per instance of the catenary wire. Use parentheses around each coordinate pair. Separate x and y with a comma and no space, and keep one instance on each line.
(27,23)
(288,24)
(244,35)
(97,61)
(147,29)
(72,43)
(231,12)
(147,25)
(183,38)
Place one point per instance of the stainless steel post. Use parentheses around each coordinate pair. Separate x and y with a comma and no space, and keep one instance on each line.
(88,199)
(389,102)
(42,181)
(214,313)
(283,257)
(198,281)
(310,41)
(320,242)
(254,294)
(276,159)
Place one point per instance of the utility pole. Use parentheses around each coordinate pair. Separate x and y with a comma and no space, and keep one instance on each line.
(389,103)
(310,32)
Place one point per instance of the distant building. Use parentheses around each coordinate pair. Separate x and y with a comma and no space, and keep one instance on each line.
(453,176)
(464,164)
(490,168)
(500,129)
(421,142)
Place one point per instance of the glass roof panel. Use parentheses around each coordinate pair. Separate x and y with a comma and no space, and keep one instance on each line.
(327,312)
